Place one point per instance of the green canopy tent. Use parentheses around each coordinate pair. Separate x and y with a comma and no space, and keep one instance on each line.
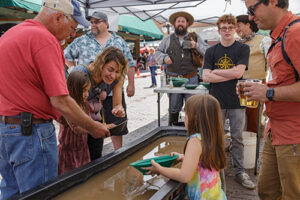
(33,5)
(13,12)
(133,30)
(136,26)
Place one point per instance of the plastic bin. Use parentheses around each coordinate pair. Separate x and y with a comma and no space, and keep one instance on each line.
(249,140)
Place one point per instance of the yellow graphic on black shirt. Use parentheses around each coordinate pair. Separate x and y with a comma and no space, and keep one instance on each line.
(225,63)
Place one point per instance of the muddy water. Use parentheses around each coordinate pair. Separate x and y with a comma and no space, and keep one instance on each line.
(123,182)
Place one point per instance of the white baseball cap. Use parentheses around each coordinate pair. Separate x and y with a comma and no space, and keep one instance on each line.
(68,7)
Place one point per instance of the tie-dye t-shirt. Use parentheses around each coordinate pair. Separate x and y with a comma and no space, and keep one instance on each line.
(205,184)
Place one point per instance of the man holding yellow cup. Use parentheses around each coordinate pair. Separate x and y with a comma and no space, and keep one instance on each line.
(243,94)
(240,91)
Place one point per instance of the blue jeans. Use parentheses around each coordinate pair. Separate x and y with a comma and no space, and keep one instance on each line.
(152,70)
(237,121)
(26,161)
(177,99)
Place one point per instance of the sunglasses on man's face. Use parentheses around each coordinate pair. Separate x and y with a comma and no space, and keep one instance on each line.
(251,9)
(96,21)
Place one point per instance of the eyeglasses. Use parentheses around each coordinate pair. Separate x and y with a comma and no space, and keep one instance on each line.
(73,30)
(251,9)
(224,29)
(96,21)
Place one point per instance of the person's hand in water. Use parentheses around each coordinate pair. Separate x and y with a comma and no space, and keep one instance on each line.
(154,169)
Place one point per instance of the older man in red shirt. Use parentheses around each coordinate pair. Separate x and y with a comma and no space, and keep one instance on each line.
(33,92)
(279,177)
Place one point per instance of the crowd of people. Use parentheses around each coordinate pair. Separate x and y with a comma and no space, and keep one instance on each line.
(35,90)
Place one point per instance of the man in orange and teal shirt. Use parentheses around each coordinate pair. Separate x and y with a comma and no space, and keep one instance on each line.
(279,177)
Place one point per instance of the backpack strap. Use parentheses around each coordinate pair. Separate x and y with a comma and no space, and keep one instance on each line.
(193,36)
(273,44)
(89,70)
(87,67)
(284,54)
(286,57)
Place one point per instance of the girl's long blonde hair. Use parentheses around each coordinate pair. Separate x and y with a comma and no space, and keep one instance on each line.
(204,117)
(107,55)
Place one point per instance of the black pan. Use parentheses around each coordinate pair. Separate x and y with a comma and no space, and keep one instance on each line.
(120,125)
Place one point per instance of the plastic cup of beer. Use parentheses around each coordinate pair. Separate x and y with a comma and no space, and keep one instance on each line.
(242,97)
(253,104)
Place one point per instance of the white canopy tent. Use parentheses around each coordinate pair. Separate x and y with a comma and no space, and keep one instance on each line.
(206,11)
(143,9)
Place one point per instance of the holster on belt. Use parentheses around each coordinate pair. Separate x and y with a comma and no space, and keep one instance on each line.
(26,123)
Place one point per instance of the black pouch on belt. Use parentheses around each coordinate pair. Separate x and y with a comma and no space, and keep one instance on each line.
(26,123)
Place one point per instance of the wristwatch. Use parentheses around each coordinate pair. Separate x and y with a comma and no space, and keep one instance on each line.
(270,94)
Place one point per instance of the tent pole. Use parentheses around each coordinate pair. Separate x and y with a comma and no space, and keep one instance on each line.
(86,7)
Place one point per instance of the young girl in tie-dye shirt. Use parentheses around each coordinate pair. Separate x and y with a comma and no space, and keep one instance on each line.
(204,154)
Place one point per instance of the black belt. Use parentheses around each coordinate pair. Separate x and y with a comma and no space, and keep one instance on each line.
(13,120)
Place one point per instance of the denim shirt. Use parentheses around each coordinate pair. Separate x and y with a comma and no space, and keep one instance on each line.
(85,48)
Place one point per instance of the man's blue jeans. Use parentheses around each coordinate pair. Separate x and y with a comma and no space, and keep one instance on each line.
(26,161)
(152,70)
(178,99)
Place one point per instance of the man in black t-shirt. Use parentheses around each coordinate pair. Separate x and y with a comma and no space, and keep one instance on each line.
(224,64)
